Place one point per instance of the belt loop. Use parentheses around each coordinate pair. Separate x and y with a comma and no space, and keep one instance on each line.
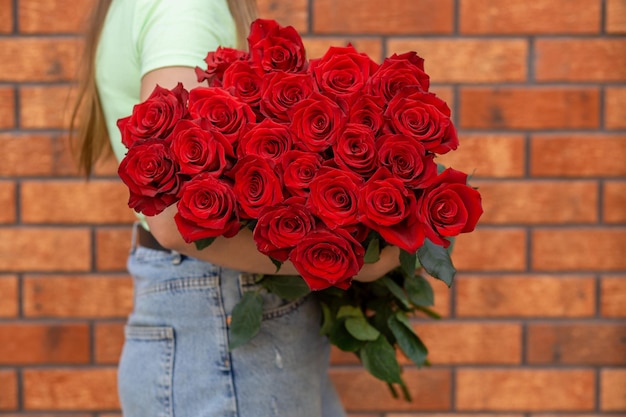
(133,238)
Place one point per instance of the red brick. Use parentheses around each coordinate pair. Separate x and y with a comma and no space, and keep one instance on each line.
(293,13)
(6,16)
(8,393)
(584,343)
(613,390)
(7,202)
(46,343)
(9,296)
(459,415)
(615,107)
(524,17)
(51,415)
(26,154)
(488,155)
(7,108)
(529,107)
(359,391)
(613,296)
(525,296)
(615,16)
(38,59)
(58,16)
(44,249)
(579,249)
(70,389)
(396,17)
(109,339)
(615,202)
(317,47)
(538,202)
(98,201)
(599,59)
(112,247)
(40,108)
(471,343)
(524,389)
(56,295)
(491,250)
(468,60)
(578,155)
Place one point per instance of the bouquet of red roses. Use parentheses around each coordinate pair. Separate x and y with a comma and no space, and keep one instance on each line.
(326,160)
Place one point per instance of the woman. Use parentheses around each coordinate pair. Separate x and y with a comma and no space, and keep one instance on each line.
(175,360)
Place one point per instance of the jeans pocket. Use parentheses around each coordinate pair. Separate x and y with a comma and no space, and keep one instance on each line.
(145,371)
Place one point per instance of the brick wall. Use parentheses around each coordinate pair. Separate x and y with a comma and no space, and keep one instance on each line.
(535,323)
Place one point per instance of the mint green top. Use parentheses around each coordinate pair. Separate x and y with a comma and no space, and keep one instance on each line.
(143,35)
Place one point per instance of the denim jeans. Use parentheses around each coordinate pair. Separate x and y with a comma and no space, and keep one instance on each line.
(176,361)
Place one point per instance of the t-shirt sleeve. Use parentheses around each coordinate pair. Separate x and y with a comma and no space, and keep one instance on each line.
(180,32)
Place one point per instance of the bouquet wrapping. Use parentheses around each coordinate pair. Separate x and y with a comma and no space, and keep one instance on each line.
(327,161)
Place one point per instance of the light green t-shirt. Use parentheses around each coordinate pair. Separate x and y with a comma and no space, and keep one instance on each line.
(139,36)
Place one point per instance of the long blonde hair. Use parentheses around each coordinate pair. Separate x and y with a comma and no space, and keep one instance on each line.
(87,124)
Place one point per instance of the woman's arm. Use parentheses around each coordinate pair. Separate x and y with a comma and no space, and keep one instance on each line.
(238,252)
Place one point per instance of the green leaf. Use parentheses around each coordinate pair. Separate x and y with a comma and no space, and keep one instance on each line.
(379,358)
(452,240)
(419,291)
(408,341)
(408,262)
(372,254)
(396,290)
(289,287)
(203,243)
(430,313)
(436,261)
(246,319)
(361,329)
(278,264)
(440,168)
(327,319)
(349,311)
(340,337)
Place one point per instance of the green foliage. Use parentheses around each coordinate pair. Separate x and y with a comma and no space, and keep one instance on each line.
(246,319)
(203,243)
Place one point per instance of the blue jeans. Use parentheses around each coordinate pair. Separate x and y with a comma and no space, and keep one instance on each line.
(176,361)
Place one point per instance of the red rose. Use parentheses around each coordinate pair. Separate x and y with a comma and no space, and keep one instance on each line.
(407,160)
(326,259)
(256,185)
(342,71)
(317,122)
(281,227)
(298,170)
(267,139)
(207,208)
(423,116)
(223,112)
(281,91)
(334,196)
(244,82)
(150,173)
(156,116)
(449,207)
(199,150)
(355,150)
(397,72)
(217,63)
(276,48)
(367,110)
(387,207)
